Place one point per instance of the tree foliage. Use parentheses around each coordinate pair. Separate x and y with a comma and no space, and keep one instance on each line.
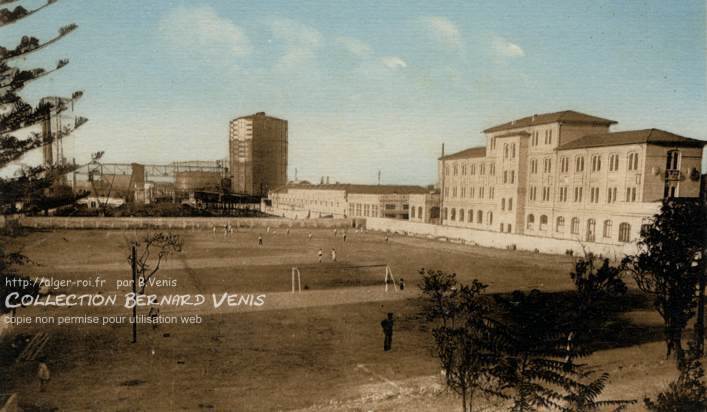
(463,334)
(520,348)
(667,266)
(152,249)
(688,392)
(33,186)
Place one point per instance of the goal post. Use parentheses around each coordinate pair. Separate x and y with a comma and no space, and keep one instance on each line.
(389,275)
(296,273)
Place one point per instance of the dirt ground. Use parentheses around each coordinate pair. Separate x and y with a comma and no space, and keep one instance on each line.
(318,350)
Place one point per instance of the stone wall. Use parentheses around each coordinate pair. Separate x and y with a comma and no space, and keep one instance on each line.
(499,240)
(203,223)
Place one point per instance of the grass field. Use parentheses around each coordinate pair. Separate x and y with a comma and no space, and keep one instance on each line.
(318,350)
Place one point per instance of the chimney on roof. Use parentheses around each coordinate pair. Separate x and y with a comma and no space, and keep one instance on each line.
(327,180)
(260,114)
(442,149)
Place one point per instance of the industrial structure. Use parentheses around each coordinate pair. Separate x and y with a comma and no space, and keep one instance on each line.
(258,154)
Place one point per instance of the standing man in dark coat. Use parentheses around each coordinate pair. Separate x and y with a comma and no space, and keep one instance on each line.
(387,325)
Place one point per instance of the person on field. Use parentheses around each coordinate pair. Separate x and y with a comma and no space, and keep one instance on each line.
(333,255)
(387,325)
(260,240)
(402,284)
(320,254)
(344,236)
(309,236)
(43,374)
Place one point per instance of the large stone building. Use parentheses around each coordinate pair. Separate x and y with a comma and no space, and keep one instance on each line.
(305,200)
(565,175)
(258,154)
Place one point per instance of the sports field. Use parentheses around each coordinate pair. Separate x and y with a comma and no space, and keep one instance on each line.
(320,349)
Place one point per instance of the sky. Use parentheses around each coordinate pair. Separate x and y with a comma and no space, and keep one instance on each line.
(365,85)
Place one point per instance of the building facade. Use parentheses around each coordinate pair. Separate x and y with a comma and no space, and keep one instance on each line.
(565,175)
(305,200)
(257,154)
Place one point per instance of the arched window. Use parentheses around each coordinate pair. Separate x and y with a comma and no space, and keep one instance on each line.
(591,230)
(624,232)
(471,216)
(633,161)
(560,225)
(543,222)
(489,218)
(479,217)
(444,213)
(419,212)
(673,160)
(461,215)
(574,226)
(453,217)
(607,228)
(530,222)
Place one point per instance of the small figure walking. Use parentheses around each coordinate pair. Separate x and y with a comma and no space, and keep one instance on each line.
(268,229)
(309,236)
(288,231)
(344,236)
(387,325)
(320,254)
(335,232)
(43,374)
(333,255)
(402,284)
(386,238)
(260,240)
(154,314)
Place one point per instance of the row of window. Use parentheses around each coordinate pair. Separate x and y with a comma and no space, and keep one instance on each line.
(472,192)
(590,234)
(596,163)
(366,210)
(611,194)
(458,215)
(472,169)
(535,137)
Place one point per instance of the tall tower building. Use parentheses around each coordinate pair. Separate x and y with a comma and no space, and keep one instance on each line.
(258,154)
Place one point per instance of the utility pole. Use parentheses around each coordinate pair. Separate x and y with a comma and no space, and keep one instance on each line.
(379,177)
(133,264)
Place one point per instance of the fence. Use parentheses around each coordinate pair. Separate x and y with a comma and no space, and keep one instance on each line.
(499,240)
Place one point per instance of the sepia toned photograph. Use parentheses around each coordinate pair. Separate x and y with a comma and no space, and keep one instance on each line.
(353,206)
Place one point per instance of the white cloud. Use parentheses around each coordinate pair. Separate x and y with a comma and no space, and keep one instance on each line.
(355,46)
(393,62)
(506,48)
(301,42)
(200,29)
(444,31)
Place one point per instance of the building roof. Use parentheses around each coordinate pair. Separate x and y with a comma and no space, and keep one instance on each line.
(567,116)
(259,114)
(647,136)
(479,151)
(358,189)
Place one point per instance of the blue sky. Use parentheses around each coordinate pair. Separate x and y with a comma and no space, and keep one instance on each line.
(365,85)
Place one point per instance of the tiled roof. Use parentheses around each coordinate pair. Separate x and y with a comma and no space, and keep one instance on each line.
(650,136)
(358,189)
(467,153)
(567,116)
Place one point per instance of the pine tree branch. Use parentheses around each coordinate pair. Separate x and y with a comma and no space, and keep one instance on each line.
(31,44)
(8,17)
